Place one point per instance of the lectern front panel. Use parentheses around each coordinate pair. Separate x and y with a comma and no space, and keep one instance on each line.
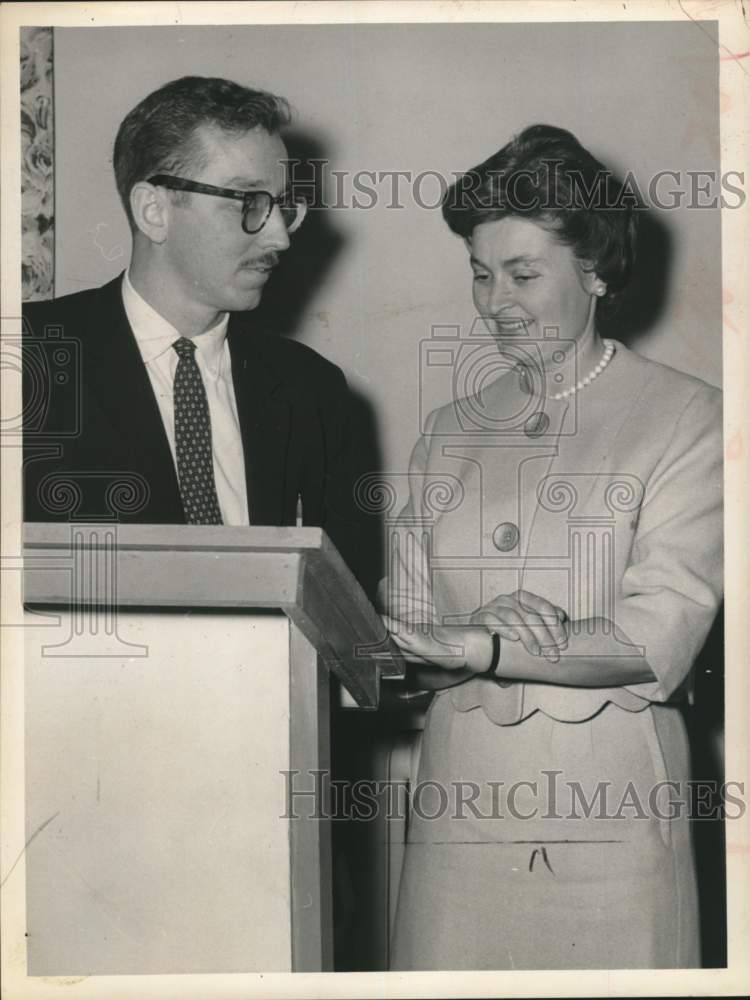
(154,798)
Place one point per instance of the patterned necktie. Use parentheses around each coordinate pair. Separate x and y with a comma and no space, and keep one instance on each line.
(192,430)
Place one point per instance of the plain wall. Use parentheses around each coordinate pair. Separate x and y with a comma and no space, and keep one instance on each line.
(365,286)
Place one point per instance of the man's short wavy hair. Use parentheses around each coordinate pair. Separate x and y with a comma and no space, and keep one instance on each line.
(544,174)
(159,134)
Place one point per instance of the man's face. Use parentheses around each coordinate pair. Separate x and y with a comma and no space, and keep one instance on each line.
(215,263)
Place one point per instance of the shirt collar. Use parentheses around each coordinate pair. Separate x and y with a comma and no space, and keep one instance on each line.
(155,335)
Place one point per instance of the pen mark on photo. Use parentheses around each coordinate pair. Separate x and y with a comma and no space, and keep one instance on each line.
(730,55)
(34,834)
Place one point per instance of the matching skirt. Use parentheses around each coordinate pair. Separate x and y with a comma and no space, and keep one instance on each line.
(548,844)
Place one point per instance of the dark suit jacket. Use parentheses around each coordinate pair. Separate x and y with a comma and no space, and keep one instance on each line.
(95,446)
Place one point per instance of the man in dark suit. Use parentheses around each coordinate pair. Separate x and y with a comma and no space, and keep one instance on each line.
(152,399)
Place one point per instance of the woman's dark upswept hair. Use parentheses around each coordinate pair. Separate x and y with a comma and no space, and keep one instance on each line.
(544,174)
(158,135)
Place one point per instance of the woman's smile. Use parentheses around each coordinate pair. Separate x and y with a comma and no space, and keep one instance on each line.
(509,325)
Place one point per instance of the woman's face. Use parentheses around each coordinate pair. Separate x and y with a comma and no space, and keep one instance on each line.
(525,280)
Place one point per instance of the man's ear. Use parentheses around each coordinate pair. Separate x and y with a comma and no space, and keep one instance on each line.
(150,211)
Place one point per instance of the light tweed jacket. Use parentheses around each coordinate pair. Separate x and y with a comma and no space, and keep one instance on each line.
(608,504)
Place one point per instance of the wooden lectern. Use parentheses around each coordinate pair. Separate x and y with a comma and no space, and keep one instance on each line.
(176,693)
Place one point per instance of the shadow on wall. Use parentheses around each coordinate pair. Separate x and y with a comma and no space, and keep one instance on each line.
(314,247)
(368,458)
(644,302)
(312,252)
(705,721)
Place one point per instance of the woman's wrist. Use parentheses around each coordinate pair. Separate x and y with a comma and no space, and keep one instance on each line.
(482,650)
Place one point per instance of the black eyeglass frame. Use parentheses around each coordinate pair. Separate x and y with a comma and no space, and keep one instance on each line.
(197,187)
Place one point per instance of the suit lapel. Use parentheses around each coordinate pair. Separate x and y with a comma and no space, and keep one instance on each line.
(118,378)
(625,391)
(265,414)
(581,460)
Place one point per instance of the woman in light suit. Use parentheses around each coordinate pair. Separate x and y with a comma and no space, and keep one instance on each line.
(553,577)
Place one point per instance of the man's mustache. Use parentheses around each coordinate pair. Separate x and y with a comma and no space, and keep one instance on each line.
(267,260)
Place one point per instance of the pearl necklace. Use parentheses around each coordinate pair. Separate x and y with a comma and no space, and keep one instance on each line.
(609,350)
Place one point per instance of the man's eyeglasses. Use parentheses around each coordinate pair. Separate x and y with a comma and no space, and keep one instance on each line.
(256,205)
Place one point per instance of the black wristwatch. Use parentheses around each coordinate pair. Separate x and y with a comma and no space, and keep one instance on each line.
(495,653)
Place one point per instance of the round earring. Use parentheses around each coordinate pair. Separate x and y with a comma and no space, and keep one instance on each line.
(600,290)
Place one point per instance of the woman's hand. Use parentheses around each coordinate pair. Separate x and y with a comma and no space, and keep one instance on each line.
(522,616)
(454,647)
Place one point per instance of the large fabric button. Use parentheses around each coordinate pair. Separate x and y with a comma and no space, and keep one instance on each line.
(505,536)
(536,425)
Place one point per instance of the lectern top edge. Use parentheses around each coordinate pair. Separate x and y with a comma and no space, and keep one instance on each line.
(257,538)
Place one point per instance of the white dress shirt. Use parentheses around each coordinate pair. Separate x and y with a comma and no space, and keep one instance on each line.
(155,337)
